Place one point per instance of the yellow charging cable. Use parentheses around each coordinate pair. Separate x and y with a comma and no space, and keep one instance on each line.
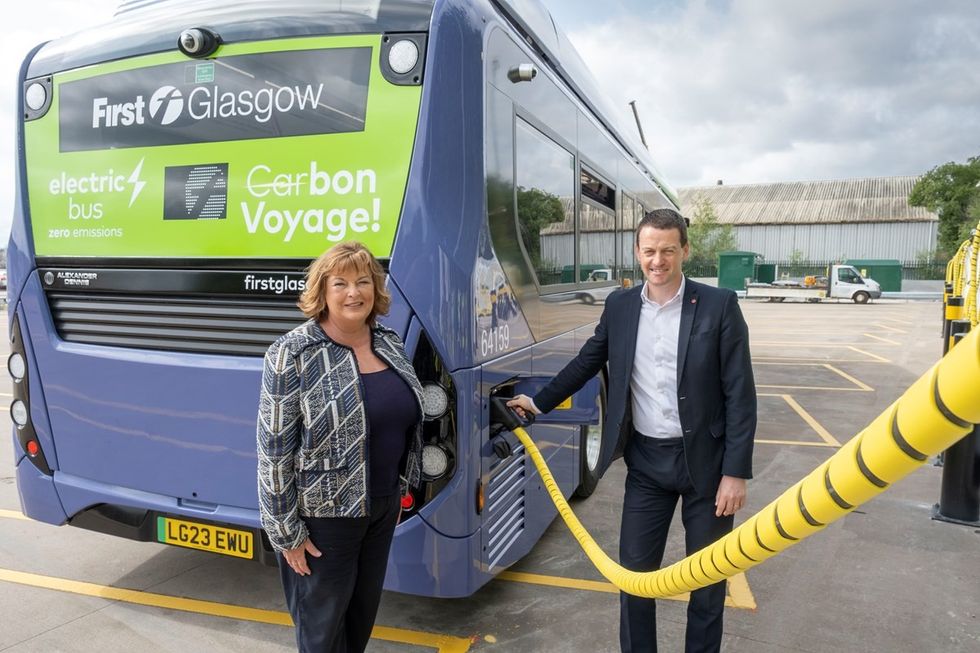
(936,411)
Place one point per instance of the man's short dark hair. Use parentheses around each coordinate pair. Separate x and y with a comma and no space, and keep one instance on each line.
(663,219)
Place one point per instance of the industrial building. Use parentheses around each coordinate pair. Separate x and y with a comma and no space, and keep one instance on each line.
(840,219)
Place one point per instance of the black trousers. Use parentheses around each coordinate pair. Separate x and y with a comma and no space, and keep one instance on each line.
(335,606)
(656,477)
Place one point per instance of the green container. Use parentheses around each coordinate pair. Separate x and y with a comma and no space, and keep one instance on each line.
(887,272)
(765,272)
(734,268)
(584,270)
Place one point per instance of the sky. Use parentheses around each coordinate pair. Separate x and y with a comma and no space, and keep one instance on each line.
(746,91)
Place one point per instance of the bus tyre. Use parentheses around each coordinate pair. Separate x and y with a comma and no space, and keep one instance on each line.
(861,297)
(590,446)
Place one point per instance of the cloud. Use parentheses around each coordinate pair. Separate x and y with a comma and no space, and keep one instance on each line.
(756,91)
(27,25)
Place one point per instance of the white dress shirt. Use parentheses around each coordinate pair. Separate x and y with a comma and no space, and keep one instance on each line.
(654,379)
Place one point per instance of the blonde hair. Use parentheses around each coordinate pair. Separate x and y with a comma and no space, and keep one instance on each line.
(339,259)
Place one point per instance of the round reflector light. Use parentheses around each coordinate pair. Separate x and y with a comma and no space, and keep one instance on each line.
(402,56)
(435,461)
(16,366)
(435,401)
(35,96)
(408,502)
(32,448)
(18,412)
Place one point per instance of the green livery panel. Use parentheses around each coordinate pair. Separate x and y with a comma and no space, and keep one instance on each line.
(276,149)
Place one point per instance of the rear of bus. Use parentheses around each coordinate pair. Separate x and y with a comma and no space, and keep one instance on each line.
(168,202)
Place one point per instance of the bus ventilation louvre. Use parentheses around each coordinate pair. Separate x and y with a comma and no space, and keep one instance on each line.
(233,326)
(505,504)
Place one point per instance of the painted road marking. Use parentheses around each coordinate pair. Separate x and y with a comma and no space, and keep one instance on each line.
(890,342)
(873,357)
(888,328)
(797,359)
(774,343)
(739,595)
(14,514)
(828,439)
(441,643)
(867,353)
(859,385)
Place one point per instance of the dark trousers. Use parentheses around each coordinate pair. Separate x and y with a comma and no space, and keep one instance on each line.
(335,606)
(656,476)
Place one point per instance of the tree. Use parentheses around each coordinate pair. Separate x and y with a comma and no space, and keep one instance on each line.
(950,191)
(707,236)
(537,209)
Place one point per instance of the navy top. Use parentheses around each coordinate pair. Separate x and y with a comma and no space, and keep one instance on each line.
(391,414)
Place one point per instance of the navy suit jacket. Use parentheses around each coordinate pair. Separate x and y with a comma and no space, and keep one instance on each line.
(715,388)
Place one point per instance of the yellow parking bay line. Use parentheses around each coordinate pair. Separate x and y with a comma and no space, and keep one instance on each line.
(860,386)
(739,595)
(796,360)
(796,442)
(441,643)
(14,514)
(828,345)
(828,439)
(814,424)
(868,353)
(888,327)
(890,342)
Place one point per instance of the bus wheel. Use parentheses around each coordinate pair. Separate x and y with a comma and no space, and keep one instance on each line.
(861,297)
(590,446)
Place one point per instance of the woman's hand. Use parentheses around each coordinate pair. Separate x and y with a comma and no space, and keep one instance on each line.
(296,558)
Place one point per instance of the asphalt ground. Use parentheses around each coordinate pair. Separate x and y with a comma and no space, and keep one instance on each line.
(884,578)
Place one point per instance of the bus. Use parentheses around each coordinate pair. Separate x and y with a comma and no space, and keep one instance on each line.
(179,167)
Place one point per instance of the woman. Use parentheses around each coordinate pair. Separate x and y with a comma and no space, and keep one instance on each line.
(340,417)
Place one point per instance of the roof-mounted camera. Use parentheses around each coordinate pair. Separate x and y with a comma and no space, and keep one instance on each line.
(198,42)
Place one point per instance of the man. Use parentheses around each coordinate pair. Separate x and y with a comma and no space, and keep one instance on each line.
(682,412)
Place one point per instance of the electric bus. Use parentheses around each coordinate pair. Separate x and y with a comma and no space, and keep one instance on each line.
(181,165)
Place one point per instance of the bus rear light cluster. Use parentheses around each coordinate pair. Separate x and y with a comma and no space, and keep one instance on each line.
(20,407)
(439,423)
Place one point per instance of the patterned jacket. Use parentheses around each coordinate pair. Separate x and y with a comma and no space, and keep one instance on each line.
(312,430)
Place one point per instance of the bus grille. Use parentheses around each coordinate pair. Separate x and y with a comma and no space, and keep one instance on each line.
(239,326)
(505,505)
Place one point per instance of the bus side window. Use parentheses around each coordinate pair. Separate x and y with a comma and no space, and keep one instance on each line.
(545,180)
(597,227)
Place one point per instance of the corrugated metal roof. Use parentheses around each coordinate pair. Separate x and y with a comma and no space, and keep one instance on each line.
(873,199)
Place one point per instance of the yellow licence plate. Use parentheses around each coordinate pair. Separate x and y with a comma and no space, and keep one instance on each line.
(205,537)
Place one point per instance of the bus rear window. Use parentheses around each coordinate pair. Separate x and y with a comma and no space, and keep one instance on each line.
(267,95)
